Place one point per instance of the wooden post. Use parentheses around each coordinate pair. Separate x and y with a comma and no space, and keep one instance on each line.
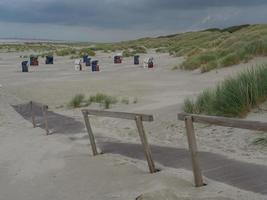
(32,114)
(193,150)
(145,144)
(44,109)
(90,133)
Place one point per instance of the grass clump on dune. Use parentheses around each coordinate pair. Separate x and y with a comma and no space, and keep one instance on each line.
(227,49)
(65,52)
(77,101)
(104,100)
(87,51)
(234,97)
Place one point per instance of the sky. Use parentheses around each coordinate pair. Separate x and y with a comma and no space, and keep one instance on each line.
(117,20)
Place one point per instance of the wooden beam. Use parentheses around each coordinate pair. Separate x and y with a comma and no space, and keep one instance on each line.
(228,122)
(121,115)
(145,144)
(193,150)
(90,133)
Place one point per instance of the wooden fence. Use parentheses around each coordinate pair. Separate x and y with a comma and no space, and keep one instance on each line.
(138,118)
(220,121)
(44,112)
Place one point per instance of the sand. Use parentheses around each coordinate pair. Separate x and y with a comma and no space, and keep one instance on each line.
(60,166)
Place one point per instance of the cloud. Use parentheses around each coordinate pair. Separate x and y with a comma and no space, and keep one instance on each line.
(136,16)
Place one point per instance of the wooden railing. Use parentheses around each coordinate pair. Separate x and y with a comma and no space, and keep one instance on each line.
(219,121)
(44,112)
(138,118)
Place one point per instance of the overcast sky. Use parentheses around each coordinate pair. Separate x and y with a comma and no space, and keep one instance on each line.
(115,20)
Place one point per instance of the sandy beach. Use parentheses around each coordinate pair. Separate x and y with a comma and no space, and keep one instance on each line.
(61,165)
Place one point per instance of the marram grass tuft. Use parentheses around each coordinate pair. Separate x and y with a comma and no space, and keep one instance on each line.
(233,97)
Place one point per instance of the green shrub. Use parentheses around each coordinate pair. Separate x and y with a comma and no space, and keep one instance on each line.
(76,101)
(234,97)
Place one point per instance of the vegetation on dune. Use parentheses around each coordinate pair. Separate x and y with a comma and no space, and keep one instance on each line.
(66,52)
(225,49)
(87,51)
(23,47)
(133,51)
(204,50)
(208,49)
(234,97)
(103,100)
(58,49)
(77,101)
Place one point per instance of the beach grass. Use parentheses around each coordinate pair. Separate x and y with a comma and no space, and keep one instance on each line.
(233,97)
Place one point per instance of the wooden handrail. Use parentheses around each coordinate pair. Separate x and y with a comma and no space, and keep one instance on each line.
(120,115)
(189,119)
(227,122)
(138,118)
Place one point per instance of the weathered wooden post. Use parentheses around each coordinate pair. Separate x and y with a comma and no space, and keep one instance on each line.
(144,141)
(44,109)
(90,132)
(32,114)
(193,150)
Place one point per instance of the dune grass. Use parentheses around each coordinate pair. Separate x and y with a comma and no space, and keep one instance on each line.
(234,97)
(77,101)
(104,100)
(205,50)
(87,51)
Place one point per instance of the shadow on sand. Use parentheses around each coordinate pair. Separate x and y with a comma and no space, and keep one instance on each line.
(57,123)
(243,175)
